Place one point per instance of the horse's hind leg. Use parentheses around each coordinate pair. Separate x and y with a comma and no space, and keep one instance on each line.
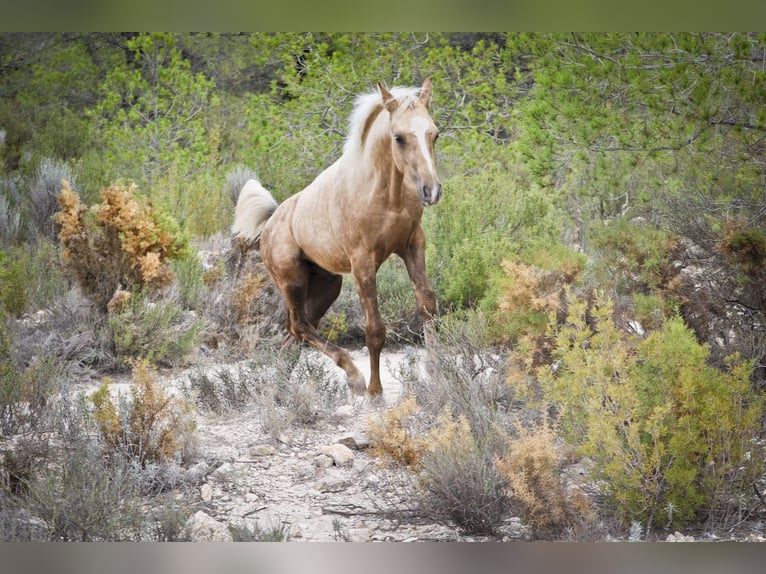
(296,292)
(323,289)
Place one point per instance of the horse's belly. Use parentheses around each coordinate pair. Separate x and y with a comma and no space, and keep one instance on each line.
(333,260)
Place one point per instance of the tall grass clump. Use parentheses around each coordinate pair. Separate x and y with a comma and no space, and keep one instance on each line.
(451,426)
(458,480)
(87,497)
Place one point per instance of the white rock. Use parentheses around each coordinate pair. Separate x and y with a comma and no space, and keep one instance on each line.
(323,461)
(344,411)
(340,454)
(206,492)
(359,534)
(198,471)
(204,528)
(355,441)
(223,470)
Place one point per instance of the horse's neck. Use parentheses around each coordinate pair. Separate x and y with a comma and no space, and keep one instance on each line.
(389,181)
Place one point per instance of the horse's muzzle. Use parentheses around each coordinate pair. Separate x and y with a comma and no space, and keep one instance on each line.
(430,194)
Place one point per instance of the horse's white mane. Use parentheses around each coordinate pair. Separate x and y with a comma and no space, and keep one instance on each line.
(364,105)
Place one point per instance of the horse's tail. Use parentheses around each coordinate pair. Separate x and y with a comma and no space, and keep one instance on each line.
(254,207)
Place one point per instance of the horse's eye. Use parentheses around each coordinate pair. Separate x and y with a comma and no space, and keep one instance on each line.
(399,139)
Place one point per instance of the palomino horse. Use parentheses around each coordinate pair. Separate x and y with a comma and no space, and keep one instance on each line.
(350,219)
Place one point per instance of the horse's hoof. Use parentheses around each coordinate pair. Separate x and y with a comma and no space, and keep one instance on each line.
(375,391)
(357,385)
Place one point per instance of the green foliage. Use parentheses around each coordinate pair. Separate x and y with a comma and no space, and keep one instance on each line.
(10,212)
(531,289)
(671,437)
(30,277)
(483,219)
(151,113)
(188,271)
(159,332)
(637,257)
(14,289)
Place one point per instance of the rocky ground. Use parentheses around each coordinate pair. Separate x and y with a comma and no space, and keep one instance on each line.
(314,484)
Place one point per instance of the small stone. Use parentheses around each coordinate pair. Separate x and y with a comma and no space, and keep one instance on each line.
(331,483)
(198,471)
(340,454)
(206,492)
(372,480)
(354,441)
(679,537)
(223,470)
(359,535)
(262,450)
(202,527)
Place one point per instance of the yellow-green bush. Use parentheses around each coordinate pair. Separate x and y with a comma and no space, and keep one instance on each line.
(671,437)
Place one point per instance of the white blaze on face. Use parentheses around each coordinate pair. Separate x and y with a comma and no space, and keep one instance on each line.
(419,126)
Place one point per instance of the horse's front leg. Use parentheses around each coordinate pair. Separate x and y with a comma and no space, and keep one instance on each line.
(375,328)
(414,257)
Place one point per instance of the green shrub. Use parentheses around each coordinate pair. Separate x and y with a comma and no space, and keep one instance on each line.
(484,219)
(26,391)
(30,277)
(190,283)
(14,286)
(42,203)
(159,332)
(672,438)
(636,257)
(10,213)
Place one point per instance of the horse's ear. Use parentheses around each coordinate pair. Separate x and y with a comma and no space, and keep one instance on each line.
(425,92)
(388,100)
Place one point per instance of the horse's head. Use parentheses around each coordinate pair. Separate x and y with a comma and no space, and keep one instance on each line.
(413,135)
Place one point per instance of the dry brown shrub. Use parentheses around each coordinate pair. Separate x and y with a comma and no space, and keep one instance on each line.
(391,437)
(531,298)
(121,243)
(532,469)
(154,427)
(245,295)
